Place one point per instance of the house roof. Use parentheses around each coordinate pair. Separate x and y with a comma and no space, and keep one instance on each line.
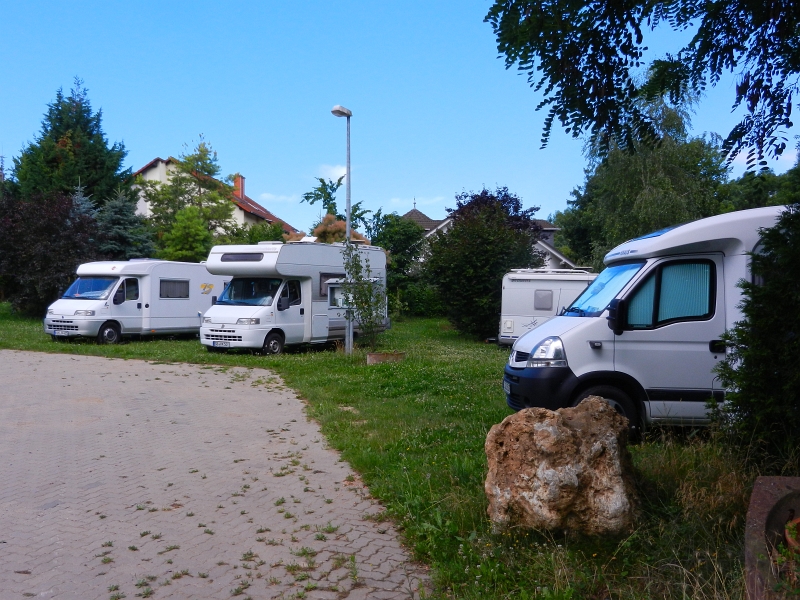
(423,220)
(249,205)
(242,200)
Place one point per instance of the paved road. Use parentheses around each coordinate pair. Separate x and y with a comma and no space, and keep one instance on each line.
(122,476)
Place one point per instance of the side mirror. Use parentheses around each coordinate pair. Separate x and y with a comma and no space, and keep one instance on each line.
(119,295)
(283,303)
(213,300)
(617,313)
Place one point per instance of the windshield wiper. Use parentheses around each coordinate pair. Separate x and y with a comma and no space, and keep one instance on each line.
(575,309)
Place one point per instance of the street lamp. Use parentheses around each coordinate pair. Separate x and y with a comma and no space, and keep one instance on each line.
(341,111)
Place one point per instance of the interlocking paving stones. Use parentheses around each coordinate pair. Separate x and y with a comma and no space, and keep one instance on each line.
(191,481)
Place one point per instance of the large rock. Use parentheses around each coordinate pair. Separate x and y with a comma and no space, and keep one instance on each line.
(564,469)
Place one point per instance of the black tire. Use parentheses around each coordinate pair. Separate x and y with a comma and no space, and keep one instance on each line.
(273,344)
(618,399)
(109,334)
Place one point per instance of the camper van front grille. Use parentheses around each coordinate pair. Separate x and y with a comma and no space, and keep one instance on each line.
(63,326)
(521,356)
(222,335)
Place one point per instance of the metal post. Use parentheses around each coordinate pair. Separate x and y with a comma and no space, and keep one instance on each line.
(341,111)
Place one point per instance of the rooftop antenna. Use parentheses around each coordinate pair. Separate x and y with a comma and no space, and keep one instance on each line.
(415,203)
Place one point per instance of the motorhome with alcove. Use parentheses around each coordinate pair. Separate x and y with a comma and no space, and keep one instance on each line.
(279,294)
(111,299)
(533,296)
(646,334)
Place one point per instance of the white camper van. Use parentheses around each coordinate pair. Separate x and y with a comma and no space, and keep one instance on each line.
(533,296)
(278,294)
(646,333)
(111,299)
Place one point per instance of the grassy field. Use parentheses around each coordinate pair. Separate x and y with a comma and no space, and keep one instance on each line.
(415,431)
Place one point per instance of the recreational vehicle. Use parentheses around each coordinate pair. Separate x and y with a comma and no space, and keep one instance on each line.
(647,333)
(279,294)
(111,299)
(533,296)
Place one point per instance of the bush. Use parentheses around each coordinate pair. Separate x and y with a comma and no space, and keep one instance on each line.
(760,369)
(491,234)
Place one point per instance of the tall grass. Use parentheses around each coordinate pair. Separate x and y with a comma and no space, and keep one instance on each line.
(415,430)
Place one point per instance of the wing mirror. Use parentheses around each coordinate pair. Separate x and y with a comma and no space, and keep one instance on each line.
(617,315)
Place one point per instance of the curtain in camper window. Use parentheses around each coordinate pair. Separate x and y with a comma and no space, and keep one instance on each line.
(685,291)
(174,288)
(640,309)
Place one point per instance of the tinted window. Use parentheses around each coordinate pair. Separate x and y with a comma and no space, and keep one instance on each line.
(174,288)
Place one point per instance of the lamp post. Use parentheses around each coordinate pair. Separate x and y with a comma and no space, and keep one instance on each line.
(341,111)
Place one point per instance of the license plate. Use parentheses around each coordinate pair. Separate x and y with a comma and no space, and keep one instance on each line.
(506,387)
(222,344)
(64,333)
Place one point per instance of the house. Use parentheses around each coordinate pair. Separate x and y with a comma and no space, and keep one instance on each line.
(246,212)
(553,259)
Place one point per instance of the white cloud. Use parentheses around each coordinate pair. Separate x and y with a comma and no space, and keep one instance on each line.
(332,171)
(274,198)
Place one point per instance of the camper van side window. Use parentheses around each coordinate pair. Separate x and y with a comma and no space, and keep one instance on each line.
(323,282)
(241,257)
(131,289)
(174,288)
(543,300)
(677,291)
(292,291)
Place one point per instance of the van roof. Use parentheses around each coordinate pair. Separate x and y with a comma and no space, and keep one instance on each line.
(730,233)
(135,266)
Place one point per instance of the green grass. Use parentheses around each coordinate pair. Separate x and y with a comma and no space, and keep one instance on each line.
(415,431)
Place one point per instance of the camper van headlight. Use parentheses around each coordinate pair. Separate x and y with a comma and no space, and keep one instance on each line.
(206,319)
(50,311)
(248,321)
(548,353)
(84,313)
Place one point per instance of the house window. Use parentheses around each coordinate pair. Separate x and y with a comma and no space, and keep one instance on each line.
(174,288)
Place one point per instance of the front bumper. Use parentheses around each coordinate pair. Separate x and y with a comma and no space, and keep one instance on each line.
(72,326)
(545,387)
(232,336)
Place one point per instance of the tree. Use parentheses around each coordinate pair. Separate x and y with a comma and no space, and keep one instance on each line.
(325,193)
(403,241)
(188,239)
(122,234)
(585,57)
(252,234)
(491,234)
(628,194)
(71,151)
(331,230)
(194,182)
(760,367)
(43,239)
(366,297)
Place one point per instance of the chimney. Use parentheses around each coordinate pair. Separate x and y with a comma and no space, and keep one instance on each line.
(238,186)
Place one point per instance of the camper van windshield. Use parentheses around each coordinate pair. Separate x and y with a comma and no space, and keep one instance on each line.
(91,288)
(250,291)
(603,290)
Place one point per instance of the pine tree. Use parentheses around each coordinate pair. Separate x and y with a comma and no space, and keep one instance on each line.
(122,233)
(71,150)
(189,239)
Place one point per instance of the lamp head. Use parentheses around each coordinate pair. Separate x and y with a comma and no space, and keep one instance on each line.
(341,111)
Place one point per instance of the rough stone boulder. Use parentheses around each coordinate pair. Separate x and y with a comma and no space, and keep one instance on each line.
(564,469)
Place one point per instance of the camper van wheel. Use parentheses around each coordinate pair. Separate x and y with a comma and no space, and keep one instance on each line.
(109,334)
(618,399)
(273,344)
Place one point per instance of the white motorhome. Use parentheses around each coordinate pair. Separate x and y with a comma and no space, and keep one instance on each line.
(111,299)
(533,296)
(646,334)
(279,296)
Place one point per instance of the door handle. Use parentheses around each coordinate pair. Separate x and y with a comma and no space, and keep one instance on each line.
(138,305)
(302,311)
(716,346)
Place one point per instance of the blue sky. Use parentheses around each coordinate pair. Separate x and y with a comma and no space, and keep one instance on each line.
(435,112)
